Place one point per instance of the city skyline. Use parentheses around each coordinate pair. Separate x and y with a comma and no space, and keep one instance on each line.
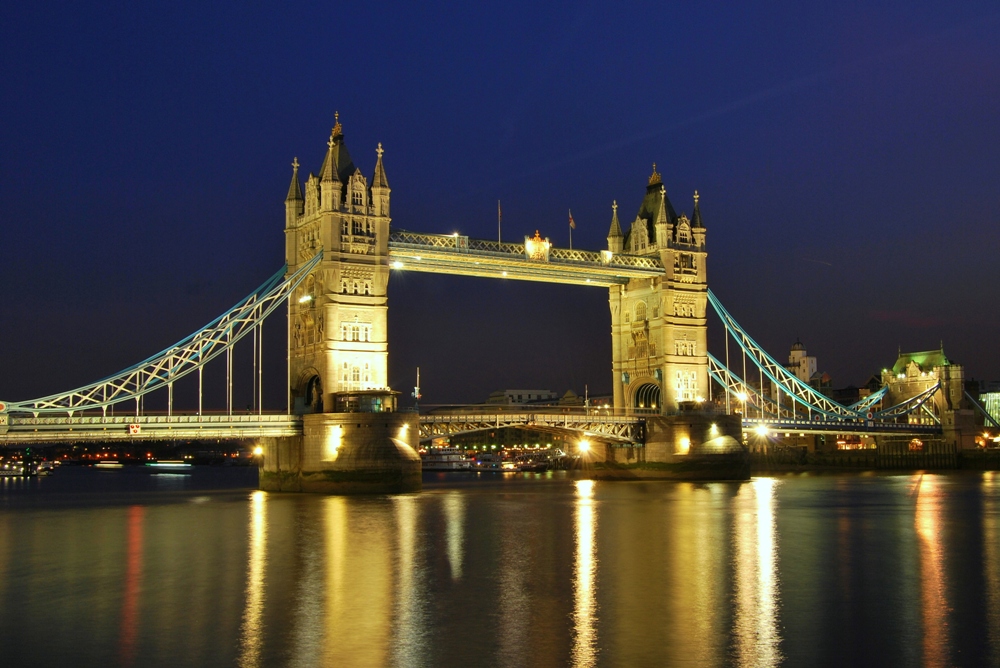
(843,166)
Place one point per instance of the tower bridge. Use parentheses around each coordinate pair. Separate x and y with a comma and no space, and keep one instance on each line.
(341,429)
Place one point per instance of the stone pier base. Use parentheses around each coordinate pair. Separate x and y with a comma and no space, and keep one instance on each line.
(345,453)
(687,446)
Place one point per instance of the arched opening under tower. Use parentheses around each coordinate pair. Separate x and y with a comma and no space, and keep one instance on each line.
(647,398)
(314,395)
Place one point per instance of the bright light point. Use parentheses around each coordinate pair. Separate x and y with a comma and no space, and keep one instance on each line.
(761,430)
(584,446)
(742,396)
(454,234)
(699,399)
(397,265)
(505,273)
(258,451)
(417,258)
(305,298)
(685,446)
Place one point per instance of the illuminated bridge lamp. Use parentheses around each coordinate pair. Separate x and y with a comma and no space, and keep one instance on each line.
(761,430)
(584,446)
(742,396)
(397,265)
(258,451)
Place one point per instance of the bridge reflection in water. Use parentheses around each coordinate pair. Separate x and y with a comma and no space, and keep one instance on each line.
(821,571)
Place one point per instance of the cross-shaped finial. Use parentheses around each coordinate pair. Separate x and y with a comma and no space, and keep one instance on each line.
(295,164)
(695,196)
(614,206)
(379,151)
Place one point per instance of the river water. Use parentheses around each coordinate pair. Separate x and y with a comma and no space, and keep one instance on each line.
(121,568)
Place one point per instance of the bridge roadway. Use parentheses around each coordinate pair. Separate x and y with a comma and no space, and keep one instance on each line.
(620,429)
(534,261)
(16,430)
(46,429)
(842,427)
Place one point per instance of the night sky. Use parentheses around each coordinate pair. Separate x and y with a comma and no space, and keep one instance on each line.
(846,157)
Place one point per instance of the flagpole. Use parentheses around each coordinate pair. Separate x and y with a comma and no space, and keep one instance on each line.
(571,226)
(498,222)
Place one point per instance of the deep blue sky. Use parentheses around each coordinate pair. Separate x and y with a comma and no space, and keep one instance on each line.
(847,158)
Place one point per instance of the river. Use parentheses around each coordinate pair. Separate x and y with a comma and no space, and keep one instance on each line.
(121,568)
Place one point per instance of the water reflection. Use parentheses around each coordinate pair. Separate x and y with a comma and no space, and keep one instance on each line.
(359,583)
(755,624)
(932,577)
(133,584)
(252,628)
(585,587)
(454,515)
(991,560)
(410,624)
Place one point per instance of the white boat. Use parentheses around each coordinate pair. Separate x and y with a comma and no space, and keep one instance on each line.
(444,459)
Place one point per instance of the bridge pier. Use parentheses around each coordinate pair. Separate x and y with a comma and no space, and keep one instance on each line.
(345,453)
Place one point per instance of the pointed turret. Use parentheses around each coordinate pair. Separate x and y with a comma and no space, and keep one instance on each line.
(294,200)
(697,227)
(696,216)
(615,236)
(380,185)
(294,189)
(329,180)
(663,226)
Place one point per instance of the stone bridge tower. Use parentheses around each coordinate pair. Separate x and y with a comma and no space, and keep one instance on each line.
(658,325)
(337,340)
(353,439)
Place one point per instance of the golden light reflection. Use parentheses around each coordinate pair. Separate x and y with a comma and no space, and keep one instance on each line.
(515,595)
(934,604)
(409,643)
(585,594)
(133,583)
(359,583)
(755,624)
(991,561)
(252,628)
(454,516)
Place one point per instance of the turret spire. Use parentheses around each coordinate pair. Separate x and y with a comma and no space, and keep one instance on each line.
(379,180)
(294,189)
(696,215)
(661,214)
(616,228)
(328,171)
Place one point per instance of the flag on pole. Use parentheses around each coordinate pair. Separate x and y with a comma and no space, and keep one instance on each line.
(572,223)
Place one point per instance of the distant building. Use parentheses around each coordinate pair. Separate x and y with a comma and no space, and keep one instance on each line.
(512,397)
(801,364)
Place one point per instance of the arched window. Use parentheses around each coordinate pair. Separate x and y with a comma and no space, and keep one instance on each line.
(640,311)
(359,198)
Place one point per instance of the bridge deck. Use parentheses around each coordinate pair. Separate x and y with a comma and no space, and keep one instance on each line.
(622,429)
(147,428)
(456,254)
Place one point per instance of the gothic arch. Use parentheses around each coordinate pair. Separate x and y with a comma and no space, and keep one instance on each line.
(645,395)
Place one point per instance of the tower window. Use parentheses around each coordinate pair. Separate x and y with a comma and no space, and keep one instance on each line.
(358,198)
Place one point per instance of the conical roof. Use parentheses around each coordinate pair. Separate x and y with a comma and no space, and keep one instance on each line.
(616,228)
(379,180)
(696,216)
(294,189)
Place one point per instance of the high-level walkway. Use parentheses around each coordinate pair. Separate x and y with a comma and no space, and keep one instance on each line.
(535,260)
